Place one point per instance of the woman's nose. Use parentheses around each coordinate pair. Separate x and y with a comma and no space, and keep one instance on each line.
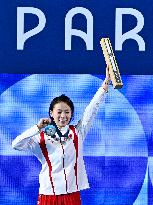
(62,114)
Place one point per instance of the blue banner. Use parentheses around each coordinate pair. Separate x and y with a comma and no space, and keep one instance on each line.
(64,37)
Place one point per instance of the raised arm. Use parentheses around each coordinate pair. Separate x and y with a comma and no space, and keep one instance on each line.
(91,110)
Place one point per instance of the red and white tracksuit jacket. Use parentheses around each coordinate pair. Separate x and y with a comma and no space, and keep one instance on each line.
(63,170)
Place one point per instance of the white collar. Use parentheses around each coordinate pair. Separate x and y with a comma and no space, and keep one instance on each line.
(64,129)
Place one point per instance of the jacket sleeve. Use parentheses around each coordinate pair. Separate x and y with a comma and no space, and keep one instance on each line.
(27,139)
(90,112)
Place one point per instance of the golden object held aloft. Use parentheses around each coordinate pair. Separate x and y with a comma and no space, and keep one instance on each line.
(111,62)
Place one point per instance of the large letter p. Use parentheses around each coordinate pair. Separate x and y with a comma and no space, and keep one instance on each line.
(21,36)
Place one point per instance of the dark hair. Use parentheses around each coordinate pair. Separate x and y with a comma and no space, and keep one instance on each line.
(62,98)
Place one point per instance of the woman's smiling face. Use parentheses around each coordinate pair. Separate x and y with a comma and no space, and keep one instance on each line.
(62,114)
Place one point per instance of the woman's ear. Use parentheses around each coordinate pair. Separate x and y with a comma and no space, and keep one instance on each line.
(51,113)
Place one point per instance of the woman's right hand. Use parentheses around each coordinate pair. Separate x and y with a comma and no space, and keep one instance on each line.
(43,122)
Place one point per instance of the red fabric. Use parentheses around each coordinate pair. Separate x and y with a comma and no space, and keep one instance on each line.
(65,199)
(75,141)
(45,153)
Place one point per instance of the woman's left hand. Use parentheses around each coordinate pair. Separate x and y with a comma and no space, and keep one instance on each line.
(107,80)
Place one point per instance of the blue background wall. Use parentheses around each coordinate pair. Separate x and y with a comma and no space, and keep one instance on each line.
(117,150)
